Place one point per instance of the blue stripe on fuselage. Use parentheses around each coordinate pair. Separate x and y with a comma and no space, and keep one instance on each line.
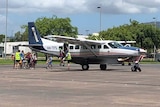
(130,48)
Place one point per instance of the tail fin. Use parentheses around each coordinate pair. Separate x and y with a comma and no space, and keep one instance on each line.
(33,35)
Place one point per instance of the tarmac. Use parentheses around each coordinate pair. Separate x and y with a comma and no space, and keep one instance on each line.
(59,87)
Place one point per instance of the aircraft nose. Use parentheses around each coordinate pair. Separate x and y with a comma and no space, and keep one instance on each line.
(133,52)
(142,51)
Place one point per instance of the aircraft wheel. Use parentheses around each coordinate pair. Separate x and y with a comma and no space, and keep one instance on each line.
(103,66)
(129,64)
(85,67)
(123,64)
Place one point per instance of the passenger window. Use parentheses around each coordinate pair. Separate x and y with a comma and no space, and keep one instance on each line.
(105,47)
(93,47)
(99,46)
(77,47)
(70,47)
(60,47)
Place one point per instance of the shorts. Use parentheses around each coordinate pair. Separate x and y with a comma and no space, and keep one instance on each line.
(35,61)
(68,61)
(17,61)
(50,63)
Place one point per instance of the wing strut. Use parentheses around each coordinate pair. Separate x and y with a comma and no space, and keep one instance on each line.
(85,44)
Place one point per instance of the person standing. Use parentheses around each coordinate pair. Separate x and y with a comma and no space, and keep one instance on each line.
(34,60)
(65,47)
(17,59)
(28,58)
(68,58)
(61,56)
(22,59)
(13,59)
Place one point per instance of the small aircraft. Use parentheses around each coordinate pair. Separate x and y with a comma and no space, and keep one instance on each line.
(83,51)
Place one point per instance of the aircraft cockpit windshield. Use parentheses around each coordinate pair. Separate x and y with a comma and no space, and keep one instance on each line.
(115,45)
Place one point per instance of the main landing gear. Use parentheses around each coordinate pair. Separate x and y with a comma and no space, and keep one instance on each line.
(86,66)
(103,66)
(124,63)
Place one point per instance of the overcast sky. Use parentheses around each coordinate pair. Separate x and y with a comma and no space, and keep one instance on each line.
(84,14)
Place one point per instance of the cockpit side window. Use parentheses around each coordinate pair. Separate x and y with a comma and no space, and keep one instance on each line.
(115,45)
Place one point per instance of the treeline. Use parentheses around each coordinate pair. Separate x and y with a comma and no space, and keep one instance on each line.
(146,35)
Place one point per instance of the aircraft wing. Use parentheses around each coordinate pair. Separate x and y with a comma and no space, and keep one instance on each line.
(77,41)
(72,40)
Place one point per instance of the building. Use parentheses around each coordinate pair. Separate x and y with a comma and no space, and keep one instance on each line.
(154,23)
(12,47)
(1,49)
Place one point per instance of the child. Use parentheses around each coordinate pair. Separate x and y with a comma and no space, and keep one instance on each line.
(49,62)
(13,58)
(34,57)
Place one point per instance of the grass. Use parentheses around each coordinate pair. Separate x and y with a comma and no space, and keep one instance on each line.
(149,61)
(8,61)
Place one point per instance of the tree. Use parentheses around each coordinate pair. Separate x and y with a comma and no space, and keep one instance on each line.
(24,35)
(56,26)
(2,38)
(18,36)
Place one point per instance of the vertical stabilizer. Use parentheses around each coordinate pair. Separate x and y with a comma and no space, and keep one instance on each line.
(34,36)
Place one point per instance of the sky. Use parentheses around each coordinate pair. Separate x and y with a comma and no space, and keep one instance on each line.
(84,14)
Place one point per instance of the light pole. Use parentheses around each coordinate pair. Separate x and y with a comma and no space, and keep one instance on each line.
(154,48)
(5,44)
(99,19)
(87,32)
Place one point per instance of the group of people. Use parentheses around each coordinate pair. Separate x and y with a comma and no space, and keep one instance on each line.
(65,55)
(29,60)
(22,60)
